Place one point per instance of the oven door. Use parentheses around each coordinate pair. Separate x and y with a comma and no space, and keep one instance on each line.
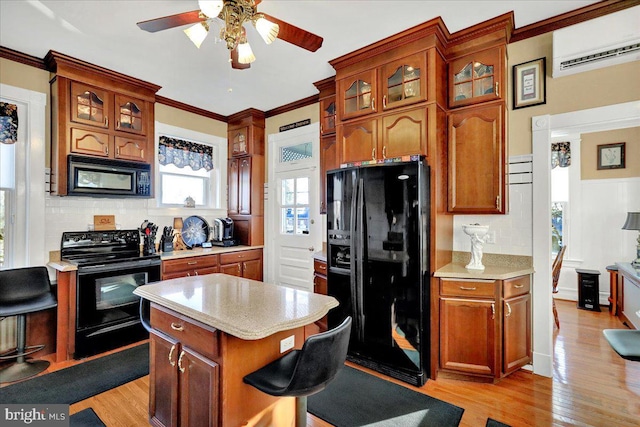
(105,298)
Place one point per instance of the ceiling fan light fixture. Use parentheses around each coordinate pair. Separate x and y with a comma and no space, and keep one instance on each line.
(245,54)
(211,8)
(267,29)
(197,33)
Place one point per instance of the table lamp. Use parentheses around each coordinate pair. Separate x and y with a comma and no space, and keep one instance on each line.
(633,223)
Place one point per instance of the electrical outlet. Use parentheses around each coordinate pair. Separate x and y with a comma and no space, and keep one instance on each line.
(287,344)
(491,237)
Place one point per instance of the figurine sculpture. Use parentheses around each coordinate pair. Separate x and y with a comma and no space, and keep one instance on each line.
(478,235)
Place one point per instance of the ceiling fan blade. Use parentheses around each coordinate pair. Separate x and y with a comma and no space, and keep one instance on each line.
(297,36)
(171,21)
(235,63)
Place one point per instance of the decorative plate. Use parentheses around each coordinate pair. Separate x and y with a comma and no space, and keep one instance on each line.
(195,231)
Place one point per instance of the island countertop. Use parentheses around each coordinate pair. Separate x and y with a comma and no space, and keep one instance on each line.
(244,308)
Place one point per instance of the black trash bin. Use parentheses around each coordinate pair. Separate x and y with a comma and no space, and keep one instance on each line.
(588,289)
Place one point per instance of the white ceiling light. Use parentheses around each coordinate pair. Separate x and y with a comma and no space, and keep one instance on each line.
(197,33)
(211,8)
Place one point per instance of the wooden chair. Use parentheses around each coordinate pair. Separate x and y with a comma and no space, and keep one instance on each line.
(555,275)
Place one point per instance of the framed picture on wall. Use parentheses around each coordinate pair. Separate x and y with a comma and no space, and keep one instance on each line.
(529,84)
(611,156)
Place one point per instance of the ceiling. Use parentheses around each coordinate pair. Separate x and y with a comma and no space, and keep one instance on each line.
(105,33)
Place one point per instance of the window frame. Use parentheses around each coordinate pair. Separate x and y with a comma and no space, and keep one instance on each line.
(217,181)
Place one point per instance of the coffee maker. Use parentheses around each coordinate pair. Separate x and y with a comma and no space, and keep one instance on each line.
(223,232)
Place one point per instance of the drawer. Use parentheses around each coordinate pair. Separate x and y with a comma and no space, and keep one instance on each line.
(467,288)
(233,257)
(189,264)
(517,286)
(195,335)
(320,267)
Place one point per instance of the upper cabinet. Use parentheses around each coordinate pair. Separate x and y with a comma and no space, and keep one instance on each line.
(477,77)
(391,85)
(357,95)
(97,113)
(328,115)
(238,141)
(404,81)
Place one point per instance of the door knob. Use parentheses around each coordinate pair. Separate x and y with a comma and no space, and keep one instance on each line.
(311,249)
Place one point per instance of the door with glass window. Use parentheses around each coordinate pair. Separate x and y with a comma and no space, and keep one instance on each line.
(295,228)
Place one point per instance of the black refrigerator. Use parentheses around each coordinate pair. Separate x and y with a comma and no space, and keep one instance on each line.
(378,260)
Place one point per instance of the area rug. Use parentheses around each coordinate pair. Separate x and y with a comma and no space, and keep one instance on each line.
(355,398)
(81,381)
(86,418)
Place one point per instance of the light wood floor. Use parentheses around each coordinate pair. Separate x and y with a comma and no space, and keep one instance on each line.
(591,386)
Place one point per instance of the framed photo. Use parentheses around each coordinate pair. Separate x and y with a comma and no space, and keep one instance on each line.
(529,84)
(611,156)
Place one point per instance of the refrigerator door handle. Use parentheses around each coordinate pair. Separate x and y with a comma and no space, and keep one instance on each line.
(359,242)
(354,263)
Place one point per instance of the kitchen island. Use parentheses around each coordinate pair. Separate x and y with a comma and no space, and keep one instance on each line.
(207,333)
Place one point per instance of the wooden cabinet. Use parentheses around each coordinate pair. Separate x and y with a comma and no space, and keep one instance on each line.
(191,266)
(246,176)
(478,77)
(399,82)
(328,161)
(320,287)
(182,369)
(328,147)
(516,321)
(328,115)
(391,135)
(477,160)
(98,113)
(239,186)
(247,264)
(485,326)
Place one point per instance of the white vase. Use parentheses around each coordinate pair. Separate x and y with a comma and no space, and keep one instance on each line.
(478,234)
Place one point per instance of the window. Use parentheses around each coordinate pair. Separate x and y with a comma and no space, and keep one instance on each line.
(294,216)
(191,165)
(559,207)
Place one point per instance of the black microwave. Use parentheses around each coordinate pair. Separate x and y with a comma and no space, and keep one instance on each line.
(89,176)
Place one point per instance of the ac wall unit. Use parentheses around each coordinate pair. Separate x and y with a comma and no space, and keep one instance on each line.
(609,40)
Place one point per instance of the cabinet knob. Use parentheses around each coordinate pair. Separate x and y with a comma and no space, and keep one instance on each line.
(311,249)
(465,288)
(373,104)
(493,310)
(171,362)
(497,202)
(106,121)
(508,310)
(117,124)
(373,153)
(497,89)
(384,102)
(177,327)
(384,152)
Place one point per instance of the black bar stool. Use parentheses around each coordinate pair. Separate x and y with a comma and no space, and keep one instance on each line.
(625,342)
(301,373)
(24,291)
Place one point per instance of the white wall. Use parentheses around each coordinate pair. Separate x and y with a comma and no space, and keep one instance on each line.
(603,210)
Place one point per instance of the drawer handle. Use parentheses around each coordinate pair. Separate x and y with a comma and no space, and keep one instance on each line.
(180,362)
(518,286)
(322,267)
(192,263)
(464,288)
(171,362)
(177,327)
(509,310)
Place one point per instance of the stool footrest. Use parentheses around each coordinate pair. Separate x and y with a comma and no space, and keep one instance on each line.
(12,354)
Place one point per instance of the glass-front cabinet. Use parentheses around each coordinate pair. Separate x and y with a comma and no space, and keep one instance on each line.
(476,78)
(239,141)
(328,115)
(89,105)
(358,94)
(129,114)
(404,81)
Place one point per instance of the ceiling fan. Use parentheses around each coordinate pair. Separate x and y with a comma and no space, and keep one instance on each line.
(231,15)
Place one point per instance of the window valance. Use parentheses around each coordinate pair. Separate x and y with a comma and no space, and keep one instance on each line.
(8,123)
(560,154)
(181,153)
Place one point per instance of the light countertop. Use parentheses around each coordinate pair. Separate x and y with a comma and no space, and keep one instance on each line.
(244,308)
(497,267)
(206,251)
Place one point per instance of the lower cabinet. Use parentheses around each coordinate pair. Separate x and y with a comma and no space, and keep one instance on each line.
(242,263)
(184,383)
(485,326)
(320,287)
(191,266)
(247,264)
